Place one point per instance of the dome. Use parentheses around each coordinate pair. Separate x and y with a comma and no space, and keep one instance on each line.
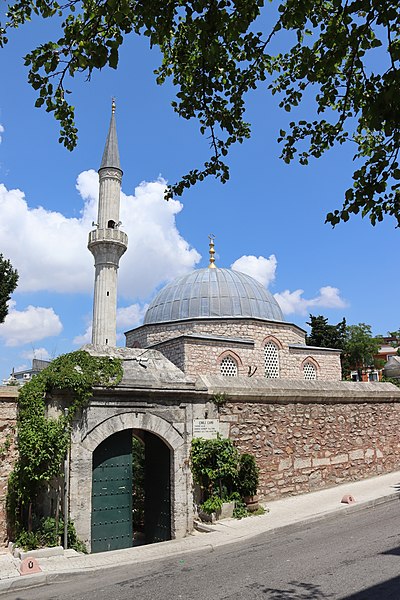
(213,293)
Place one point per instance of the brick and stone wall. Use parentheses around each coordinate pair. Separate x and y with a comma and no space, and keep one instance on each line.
(198,357)
(146,335)
(327,363)
(8,452)
(307,445)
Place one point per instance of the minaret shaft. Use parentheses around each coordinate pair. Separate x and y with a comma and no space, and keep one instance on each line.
(109,198)
(107,243)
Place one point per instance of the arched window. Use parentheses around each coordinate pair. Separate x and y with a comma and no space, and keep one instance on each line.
(309,371)
(271,360)
(228,367)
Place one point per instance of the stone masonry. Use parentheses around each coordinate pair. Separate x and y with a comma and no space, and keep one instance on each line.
(198,346)
(304,443)
(8,452)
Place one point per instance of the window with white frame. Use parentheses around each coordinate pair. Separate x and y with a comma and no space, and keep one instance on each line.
(271,360)
(309,371)
(228,367)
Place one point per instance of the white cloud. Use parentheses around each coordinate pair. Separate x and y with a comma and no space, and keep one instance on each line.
(261,268)
(293,302)
(49,249)
(130,316)
(40,353)
(1,131)
(29,325)
(84,338)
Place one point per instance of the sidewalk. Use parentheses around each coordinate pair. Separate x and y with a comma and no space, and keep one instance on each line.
(288,512)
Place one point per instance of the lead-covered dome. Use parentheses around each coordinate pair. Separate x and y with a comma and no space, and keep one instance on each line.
(213,293)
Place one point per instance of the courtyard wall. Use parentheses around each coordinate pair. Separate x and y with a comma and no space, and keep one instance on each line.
(8,450)
(305,444)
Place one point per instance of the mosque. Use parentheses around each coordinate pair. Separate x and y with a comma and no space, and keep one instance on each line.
(209,335)
(210,321)
(212,333)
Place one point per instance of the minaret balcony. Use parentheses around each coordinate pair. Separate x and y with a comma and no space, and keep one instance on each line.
(108,235)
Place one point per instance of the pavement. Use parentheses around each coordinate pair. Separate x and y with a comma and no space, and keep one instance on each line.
(287,513)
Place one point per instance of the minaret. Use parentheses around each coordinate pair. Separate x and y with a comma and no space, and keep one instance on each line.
(107,243)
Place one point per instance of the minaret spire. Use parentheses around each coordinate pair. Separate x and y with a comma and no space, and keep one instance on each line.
(107,243)
(111,153)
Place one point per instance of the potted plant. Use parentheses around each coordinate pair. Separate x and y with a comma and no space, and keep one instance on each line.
(248,476)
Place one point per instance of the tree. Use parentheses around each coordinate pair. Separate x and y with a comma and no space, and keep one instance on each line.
(360,348)
(324,335)
(8,283)
(345,55)
(395,335)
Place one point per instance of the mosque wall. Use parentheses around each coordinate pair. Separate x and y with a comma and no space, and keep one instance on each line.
(311,444)
(245,341)
(148,335)
(327,364)
(8,450)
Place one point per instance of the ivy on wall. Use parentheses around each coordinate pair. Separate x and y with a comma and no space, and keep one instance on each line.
(43,441)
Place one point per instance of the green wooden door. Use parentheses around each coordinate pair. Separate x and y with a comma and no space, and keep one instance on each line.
(112,493)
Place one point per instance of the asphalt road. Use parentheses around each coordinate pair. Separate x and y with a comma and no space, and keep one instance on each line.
(351,557)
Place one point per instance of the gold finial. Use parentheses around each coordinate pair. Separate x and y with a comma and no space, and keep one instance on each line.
(211,237)
(113,106)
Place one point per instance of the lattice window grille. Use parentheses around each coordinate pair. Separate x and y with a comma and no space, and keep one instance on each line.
(310,372)
(271,360)
(228,367)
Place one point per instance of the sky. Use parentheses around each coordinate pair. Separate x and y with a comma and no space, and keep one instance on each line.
(268,220)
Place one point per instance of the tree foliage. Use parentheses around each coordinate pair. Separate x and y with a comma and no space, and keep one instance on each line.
(357,343)
(343,54)
(8,283)
(324,335)
(361,346)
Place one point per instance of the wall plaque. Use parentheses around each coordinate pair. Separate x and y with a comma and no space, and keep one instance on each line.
(205,428)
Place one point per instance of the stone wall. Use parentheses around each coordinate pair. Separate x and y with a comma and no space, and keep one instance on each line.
(245,338)
(146,335)
(327,363)
(307,445)
(8,452)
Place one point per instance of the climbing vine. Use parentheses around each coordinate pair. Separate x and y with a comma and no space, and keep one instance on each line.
(4,448)
(43,440)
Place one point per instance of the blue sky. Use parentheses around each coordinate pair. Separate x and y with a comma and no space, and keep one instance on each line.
(269,217)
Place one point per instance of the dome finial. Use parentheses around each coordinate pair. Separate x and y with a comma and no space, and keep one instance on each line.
(211,237)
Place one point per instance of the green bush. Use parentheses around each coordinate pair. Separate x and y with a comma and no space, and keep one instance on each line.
(212,505)
(223,474)
(248,475)
(48,533)
(215,466)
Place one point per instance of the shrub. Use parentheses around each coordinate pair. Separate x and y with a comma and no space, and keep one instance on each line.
(248,475)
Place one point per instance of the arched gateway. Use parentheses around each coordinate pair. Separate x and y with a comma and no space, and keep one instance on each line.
(130,481)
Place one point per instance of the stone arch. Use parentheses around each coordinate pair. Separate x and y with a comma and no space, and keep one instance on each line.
(313,362)
(132,420)
(274,340)
(232,354)
(81,468)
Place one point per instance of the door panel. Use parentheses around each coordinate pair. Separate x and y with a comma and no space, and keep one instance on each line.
(112,493)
